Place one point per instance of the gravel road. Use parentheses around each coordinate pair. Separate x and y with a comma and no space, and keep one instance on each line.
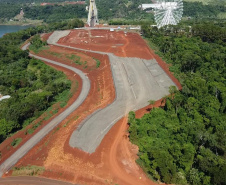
(136,82)
(6,165)
(31,181)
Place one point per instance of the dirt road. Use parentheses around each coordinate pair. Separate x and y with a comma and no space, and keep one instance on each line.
(135,85)
(6,165)
(136,82)
(31,181)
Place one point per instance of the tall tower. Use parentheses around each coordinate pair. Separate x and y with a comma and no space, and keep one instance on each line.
(92,16)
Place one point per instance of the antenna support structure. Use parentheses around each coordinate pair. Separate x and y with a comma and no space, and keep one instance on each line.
(92,16)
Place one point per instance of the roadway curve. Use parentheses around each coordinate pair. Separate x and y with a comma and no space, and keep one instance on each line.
(31,181)
(136,82)
(12,160)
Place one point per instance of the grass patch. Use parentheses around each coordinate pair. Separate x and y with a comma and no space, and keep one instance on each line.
(222,15)
(55,111)
(48,115)
(77,62)
(28,170)
(73,57)
(58,128)
(74,119)
(59,55)
(205,2)
(35,126)
(76,59)
(37,50)
(30,131)
(97,62)
(63,98)
(16,142)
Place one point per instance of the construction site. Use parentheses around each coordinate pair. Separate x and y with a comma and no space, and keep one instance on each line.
(91,145)
(87,141)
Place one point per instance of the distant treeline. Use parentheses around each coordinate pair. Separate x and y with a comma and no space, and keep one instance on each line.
(55,13)
(197,9)
(36,1)
(107,10)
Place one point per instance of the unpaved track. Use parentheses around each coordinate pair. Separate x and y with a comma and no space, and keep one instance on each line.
(136,82)
(135,85)
(31,181)
(6,165)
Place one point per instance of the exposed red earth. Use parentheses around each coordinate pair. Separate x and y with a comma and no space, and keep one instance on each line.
(120,43)
(114,160)
(6,148)
(31,181)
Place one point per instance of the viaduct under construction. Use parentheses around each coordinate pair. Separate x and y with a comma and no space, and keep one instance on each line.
(92,16)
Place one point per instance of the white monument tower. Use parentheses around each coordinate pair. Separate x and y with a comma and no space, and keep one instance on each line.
(92,16)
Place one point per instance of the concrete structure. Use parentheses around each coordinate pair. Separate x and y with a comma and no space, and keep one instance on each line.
(146,6)
(163,5)
(92,16)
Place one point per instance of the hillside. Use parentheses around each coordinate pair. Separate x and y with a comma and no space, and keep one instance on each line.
(107,10)
(184,142)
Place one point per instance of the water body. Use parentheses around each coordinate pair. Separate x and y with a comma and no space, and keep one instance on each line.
(8,29)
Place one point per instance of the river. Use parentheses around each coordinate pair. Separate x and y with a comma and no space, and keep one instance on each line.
(8,29)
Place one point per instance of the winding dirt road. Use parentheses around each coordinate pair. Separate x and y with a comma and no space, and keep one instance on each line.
(136,82)
(6,165)
(135,176)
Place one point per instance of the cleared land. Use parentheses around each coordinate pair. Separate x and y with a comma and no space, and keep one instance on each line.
(30,181)
(136,81)
(113,162)
(7,164)
(119,43)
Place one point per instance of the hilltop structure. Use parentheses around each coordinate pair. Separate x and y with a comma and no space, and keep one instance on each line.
(20,16)
(92,15)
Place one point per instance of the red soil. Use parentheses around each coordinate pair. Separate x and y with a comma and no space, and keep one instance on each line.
(114,160)
(45,36)
(119,43)
(31,181)
(6,148)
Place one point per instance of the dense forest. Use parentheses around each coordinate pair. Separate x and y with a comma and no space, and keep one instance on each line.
(121,9)
(184,142)
(198,10)
(55,13)
(32,85)
(36,1)
(46,13)
(107,10)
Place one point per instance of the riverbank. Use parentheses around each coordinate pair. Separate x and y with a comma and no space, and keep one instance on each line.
(5,29)
(27,22)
